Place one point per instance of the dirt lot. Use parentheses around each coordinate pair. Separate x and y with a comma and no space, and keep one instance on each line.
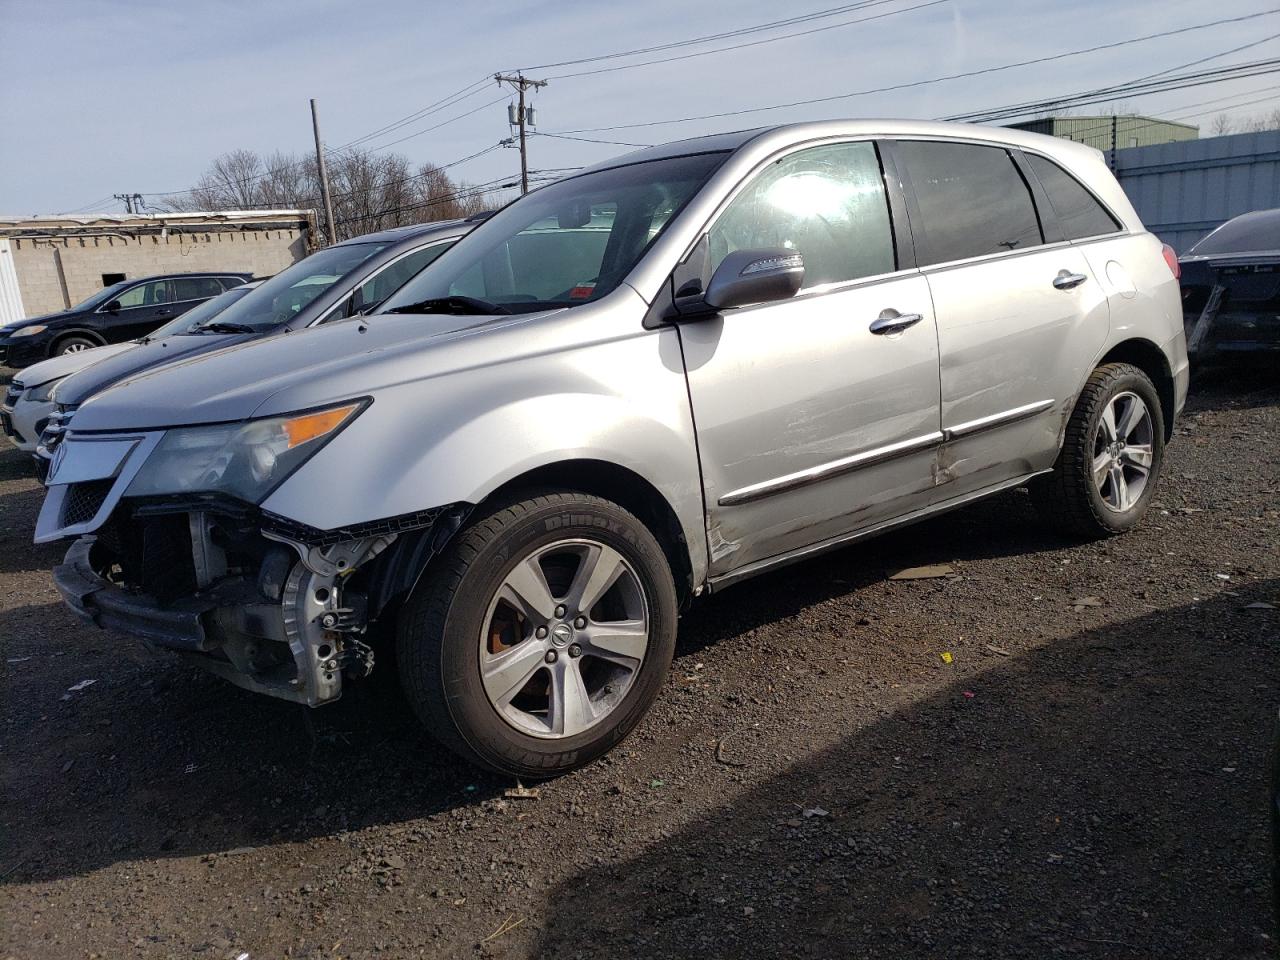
(1076,778)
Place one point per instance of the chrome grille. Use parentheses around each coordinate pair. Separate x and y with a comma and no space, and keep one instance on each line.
(56,429)
(83,500)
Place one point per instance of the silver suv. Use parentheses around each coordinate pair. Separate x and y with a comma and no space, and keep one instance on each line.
(671,372)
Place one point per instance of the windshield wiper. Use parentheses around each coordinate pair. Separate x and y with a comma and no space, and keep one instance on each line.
(221,326)
(454,305)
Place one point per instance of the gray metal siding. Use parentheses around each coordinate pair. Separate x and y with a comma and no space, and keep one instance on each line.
(1184,190)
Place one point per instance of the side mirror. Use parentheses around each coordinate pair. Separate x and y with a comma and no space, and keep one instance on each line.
(113,306)
(747,277)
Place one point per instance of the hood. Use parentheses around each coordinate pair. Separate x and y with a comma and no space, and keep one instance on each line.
(7,328)
(68,363)
(123,364)
(300,370)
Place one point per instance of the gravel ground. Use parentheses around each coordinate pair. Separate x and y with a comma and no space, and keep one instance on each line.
(1081,775)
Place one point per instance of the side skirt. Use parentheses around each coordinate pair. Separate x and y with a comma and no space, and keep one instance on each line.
(804,553)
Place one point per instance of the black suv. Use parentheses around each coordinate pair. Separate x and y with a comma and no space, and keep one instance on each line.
(123,311)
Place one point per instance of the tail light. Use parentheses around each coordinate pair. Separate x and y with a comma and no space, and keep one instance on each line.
(1171,258)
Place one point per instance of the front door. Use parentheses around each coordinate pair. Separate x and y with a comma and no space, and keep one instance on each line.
(141,310)
(810,424)
(1020,320)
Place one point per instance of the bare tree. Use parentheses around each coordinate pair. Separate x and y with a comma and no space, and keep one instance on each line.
(1221,125)
(370,191)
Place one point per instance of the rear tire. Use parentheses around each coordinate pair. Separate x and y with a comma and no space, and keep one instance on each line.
(522,647)
(1111,456)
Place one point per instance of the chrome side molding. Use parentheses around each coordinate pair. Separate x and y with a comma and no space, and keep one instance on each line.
(834,468)
(825,471)
(997,420)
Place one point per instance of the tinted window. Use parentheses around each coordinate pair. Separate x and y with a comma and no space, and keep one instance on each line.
(565,244)
(147,294)
(972,199)
(1244,234)
(279,299)
(1079,212)
(196,288)
(199,314)
(828,203)
(376,289)
(230,283)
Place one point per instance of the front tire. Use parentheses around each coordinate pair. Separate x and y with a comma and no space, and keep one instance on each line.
(541,636)
(73,345)
(1106,473)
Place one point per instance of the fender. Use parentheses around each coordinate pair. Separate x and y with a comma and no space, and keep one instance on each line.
(456,438)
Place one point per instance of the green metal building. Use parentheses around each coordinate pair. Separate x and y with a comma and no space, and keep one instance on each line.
(1112,132)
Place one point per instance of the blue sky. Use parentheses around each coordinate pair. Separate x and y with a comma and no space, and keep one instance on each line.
(115,96)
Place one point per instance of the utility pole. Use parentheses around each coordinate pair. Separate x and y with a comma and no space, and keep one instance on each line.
(1115,141)
(132,201)
(520,84)
(330,227)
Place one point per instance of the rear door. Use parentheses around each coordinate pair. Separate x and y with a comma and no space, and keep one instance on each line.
(1020,316)
(810,424)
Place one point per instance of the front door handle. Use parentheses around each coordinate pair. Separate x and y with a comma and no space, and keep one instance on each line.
(1066,280)
(164,312)
(891,321)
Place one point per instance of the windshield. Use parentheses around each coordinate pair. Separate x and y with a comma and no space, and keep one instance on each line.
(1244,234)
(281,298)
(567,244)
(102,296)
(199,314)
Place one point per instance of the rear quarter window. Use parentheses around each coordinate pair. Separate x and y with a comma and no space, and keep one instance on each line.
(1079,211)
(972,201)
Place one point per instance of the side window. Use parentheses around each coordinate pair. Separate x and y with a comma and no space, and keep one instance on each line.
(1078,210)
(196,288)
(972,199)
(378,288)
(145,294)
(230,283)
(828,203)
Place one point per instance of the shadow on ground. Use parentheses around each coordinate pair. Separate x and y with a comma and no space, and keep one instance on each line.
(1064,785)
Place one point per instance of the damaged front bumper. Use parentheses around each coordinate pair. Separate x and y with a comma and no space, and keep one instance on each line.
(274,605)
(291,631)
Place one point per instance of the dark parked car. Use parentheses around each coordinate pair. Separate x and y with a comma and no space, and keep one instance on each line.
(334,283)
(123,311)
(1231,288)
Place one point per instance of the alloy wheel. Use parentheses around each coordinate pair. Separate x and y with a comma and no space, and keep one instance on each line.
(1123,451)
(564,638)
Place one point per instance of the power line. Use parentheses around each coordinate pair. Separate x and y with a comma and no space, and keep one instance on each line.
(928,81)
(565,136)
(710,38)
(1178,82)
(753,43)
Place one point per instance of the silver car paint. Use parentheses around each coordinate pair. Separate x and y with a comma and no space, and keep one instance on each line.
(27,411)
(462,404)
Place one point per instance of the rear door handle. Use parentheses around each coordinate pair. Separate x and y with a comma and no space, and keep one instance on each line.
(1065,280)
(891,321)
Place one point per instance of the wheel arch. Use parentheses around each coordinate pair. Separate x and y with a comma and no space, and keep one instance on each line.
(1150,359)
(626,488)
(75,332)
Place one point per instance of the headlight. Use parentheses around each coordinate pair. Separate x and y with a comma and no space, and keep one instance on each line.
(28,331)
(41,394)
(244,460)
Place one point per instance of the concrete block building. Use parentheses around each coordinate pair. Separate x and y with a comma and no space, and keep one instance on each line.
(50,263)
